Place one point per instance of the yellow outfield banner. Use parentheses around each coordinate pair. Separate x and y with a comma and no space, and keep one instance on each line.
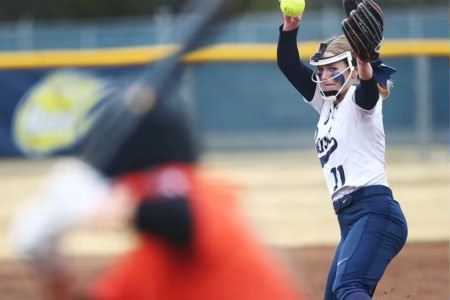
(83,58)
(238,52)
(267,52)
(408,48)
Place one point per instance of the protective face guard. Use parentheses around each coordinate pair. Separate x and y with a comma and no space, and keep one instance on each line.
(318,60)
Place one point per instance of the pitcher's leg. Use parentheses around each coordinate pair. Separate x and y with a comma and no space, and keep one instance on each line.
(329,295)
(364,255)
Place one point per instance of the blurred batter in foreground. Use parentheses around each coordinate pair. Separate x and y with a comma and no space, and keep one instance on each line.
(192,242)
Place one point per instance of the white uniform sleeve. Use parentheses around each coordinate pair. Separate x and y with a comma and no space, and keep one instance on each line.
(317,101)
(71,193)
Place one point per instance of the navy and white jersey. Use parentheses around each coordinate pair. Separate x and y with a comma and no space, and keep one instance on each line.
(350,143)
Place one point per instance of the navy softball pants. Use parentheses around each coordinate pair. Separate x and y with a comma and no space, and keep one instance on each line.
(373,231)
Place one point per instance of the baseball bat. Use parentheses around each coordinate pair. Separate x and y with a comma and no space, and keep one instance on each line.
(121,115)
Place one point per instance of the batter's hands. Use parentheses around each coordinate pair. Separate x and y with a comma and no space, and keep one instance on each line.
(291,23)
(119,211)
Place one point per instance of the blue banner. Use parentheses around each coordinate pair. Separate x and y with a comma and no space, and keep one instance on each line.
(46,111)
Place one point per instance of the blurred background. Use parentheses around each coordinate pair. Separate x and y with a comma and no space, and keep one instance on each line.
(263,115)
(58,59)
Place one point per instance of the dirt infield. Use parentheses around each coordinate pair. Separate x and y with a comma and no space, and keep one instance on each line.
(421,271)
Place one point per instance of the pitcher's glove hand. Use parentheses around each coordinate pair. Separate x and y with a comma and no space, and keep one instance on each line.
(363,28)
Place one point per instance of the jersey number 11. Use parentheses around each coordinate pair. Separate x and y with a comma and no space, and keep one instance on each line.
(338,181)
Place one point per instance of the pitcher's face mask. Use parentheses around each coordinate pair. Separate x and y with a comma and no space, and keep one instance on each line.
(336,79)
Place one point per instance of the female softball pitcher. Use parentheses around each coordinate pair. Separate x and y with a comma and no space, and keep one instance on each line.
(347,89)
